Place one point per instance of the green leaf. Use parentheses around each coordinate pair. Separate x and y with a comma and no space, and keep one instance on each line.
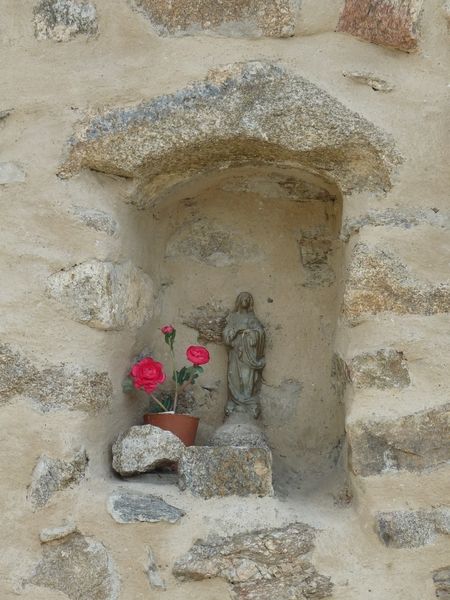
(127,385)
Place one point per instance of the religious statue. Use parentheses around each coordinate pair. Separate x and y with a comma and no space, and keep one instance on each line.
(245,337)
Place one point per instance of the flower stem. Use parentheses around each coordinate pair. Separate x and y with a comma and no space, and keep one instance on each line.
(155,399)
(175,376)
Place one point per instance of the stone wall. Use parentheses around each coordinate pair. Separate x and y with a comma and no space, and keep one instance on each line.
(138,146)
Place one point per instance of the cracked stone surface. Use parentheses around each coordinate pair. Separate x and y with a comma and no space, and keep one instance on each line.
(379,282)
(133,507)
(394,23)
(411,529)
(52,387)
(259,565)
(79,567)
(252,110)
(226,471)
(61,20)
(145,448)
(51,475)
(383,369)
(104,295)
(410,443)
(235,18)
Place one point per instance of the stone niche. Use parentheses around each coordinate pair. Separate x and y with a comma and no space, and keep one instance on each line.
(273,231)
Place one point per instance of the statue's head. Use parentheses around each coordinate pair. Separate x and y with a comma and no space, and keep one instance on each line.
(244,300)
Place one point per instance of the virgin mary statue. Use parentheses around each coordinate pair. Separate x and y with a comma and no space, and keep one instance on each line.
(244,335)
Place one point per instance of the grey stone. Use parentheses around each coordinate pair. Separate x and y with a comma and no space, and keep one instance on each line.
(96,219)
(145,448)
(441,579)
(393,23)
(61,20)
(51,475)
(206,242)
(235,433)
(234,18)
(411,529)
(104,295)
(226,471)
(134,507)
(53,387)
(413,443)
(390,217)
(243,111)
(57,533)
(259,565)
(378,84)
(154,577)
(79,567)
(314,256)
(209,321)
(11,173)
(380,282)
(383,369)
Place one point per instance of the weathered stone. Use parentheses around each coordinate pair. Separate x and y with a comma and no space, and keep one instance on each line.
(53,387)
(134,507)
(235,18)
(154,577)
(387,22)
(57,533)
(377,83)
(314,256)
(226,471)
(234,433)
(259,565)
(411,529)
(96,219)
(11,173)
(390,217)
(379,282)
(208,243)
(61,20)
(413,442)
(52,475)
(441,579)
(209,321)
(383,369)
(79,567)
(244,111)
(104,295)
(144,448)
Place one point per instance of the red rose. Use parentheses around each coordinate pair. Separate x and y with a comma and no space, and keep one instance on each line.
(147,374)
(197,355)
(167,329)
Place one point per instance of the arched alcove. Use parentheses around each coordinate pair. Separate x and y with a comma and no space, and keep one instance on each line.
(241,180)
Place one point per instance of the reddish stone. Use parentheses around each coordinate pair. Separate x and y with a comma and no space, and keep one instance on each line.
(386,22)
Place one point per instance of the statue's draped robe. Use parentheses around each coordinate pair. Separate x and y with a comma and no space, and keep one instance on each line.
(245,336)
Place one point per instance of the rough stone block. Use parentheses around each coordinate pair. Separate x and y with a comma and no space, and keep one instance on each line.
(259,565)
(441,579)
(134,507)
(412,443)
(411,529)
(209,321)
(235,18)
(96,219)
(104,295)
(53,387)
(383,369)
(57,533)
(61,20)
(226,471)
(11,173)
(392,23)
(51,475)
(79,567)
(144,448)
(379,282)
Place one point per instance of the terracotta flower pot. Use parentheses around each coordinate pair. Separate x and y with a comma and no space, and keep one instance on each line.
(183,426)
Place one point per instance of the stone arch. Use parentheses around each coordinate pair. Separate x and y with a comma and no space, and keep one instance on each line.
(251,115)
